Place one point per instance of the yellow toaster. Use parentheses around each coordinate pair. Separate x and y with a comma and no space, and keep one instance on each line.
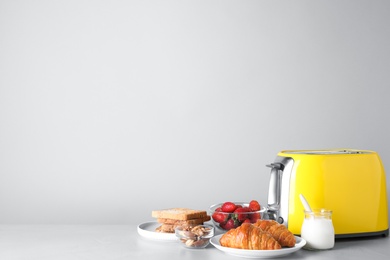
(351,183)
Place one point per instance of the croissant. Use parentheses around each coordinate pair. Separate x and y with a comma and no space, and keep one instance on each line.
(277,231)
(247,236)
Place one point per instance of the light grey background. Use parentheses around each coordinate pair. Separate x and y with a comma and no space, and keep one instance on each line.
(110,109)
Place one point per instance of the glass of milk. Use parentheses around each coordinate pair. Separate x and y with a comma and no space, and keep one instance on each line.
(317,229)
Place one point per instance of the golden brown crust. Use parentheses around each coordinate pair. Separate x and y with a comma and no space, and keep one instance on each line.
(179,213)
(247,236)
(278,231)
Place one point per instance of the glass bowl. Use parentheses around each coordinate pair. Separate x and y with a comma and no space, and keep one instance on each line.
(225,221)
(194,237)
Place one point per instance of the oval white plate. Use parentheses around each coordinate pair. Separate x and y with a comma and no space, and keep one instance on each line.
(147,230)
(258,253)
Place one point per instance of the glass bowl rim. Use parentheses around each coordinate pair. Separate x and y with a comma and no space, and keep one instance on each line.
(246,204)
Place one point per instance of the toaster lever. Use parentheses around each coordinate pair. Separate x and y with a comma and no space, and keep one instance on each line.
(278,166)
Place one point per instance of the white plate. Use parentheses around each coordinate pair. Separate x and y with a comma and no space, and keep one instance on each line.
(300,242)
(147,230)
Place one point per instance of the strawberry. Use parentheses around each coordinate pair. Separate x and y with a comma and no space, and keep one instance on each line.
(219,217)
(229,224)
(254,217)
(254,205)
(247,221)
(241,214)
(229,207)
(247,209)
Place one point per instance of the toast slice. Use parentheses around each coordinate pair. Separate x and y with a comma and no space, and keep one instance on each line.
(194,221)
(179,213)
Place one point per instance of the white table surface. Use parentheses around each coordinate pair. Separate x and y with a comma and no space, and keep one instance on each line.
(86,242)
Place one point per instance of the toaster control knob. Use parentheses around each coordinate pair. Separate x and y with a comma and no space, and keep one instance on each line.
(280,220)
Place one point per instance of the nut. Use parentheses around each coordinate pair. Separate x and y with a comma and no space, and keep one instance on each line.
(188,234)
(194,236)
(199,243)
(200,230)
(189,242)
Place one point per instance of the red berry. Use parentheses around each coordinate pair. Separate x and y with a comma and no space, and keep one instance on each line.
(247,209)
(219,217)
(241,214)
(254,217)
(228,225)
(229,207)
(254,205)
(247,221)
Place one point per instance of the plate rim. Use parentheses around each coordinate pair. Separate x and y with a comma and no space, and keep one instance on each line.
(152,235)
(249,253)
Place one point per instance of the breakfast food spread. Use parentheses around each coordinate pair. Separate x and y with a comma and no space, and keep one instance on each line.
(243,222)
(247,236)
(174,217)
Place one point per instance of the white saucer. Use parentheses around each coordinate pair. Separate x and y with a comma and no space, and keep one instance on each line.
(300,242)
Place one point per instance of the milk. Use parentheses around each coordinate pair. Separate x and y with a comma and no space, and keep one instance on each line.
(317,230)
